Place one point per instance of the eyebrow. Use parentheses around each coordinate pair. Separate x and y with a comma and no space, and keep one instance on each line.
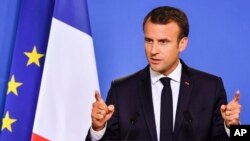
(147,39)
(160,40)
(166,40)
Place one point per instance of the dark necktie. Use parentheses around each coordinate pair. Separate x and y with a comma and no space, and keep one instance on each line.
(166,119)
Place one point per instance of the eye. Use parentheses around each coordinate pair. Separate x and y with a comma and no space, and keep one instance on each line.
(163,42)
(148,41)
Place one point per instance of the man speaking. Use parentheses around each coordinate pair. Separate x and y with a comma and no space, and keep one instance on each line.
(167,100)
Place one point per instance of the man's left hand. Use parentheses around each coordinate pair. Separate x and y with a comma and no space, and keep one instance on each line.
(231,111)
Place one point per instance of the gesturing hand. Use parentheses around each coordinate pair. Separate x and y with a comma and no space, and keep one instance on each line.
(231,111)
(101,113)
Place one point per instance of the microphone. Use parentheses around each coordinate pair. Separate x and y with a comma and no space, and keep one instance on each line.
(133,120)
(189,118)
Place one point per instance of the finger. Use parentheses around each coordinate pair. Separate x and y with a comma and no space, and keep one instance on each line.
(233,106)
(99,106)
(228,113)
(103,111)
(223,108)
(230,116)
(236,96)
(98,116)
(111,108)
(98,96)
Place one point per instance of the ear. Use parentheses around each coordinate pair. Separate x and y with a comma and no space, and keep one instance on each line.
(183,44)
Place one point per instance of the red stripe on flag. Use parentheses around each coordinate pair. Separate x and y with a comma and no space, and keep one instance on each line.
(36,137)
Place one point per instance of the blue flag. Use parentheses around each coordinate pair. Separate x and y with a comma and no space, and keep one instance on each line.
(9,14)
(26,69)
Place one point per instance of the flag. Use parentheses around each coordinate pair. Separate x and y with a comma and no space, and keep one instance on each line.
(26,69)
(9,14)
(69,78)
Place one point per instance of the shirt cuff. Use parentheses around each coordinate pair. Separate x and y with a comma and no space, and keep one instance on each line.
(97,135)
(227,130)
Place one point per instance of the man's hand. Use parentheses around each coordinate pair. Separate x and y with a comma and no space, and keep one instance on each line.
(231,111)
(101,113)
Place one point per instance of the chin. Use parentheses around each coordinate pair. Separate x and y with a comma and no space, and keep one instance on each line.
(155,68)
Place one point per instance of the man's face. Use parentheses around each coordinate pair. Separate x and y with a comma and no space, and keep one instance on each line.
(162,47)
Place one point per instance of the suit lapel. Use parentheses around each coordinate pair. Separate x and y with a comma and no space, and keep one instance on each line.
(147,102)
(184,97)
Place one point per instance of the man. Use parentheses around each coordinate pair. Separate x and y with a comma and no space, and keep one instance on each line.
(167,100)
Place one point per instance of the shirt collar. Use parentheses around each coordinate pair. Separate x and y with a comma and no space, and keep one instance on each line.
(175,75)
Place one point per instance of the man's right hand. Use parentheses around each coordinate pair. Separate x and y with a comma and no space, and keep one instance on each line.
(101,113)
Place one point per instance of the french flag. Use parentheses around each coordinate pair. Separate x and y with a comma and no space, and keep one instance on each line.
(69,77)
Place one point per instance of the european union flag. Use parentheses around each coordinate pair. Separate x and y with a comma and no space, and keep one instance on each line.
(9,14)
(26,69)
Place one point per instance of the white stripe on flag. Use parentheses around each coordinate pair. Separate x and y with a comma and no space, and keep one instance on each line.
(68,85)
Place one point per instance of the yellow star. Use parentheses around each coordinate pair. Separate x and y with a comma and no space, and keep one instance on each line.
(13,85)
(7,121)
(34,57)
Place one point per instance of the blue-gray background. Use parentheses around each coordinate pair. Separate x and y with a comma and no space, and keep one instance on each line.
(218,42)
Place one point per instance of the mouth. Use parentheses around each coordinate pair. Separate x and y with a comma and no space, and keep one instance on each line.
(155,61)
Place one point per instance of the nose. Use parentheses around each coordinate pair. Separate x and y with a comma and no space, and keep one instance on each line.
(154,49)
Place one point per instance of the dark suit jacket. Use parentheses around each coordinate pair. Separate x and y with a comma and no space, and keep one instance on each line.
(201,94)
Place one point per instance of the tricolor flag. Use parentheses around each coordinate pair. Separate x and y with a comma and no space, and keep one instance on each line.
(26,69)
(69,77)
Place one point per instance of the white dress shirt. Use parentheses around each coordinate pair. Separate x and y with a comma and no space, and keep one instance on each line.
(157,87)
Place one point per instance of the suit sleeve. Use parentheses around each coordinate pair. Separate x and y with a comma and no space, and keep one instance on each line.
(218,132)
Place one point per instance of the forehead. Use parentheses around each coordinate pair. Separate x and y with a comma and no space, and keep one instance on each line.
(170,30)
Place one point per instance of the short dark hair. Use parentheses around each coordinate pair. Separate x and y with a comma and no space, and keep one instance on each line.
(167,14)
